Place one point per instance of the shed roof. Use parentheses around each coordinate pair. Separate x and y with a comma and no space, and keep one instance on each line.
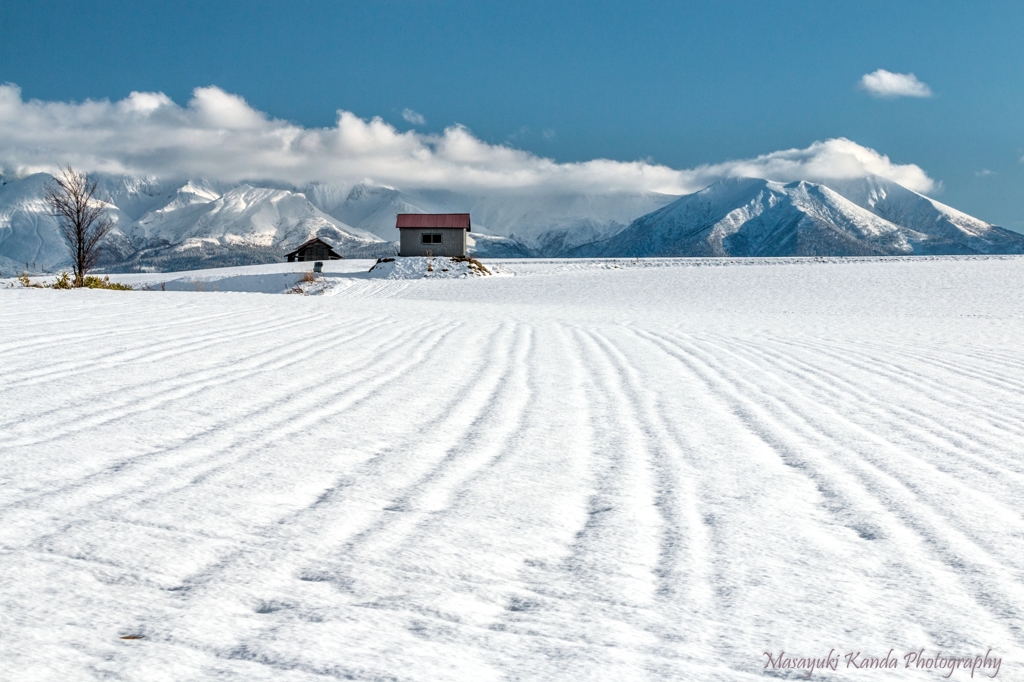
(434,220)
(310,242)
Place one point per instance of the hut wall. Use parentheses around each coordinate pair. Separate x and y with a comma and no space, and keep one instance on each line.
(453,242)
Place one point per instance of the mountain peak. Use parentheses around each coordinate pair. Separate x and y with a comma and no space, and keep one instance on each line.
(757,217)
(160,222)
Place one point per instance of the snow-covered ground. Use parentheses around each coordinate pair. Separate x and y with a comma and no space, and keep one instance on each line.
(588,470)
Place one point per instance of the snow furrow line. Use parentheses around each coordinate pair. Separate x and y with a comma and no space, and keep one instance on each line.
(341,511)
(914,424)
(936,390)
(610,569)
(999,378)
(449,452)
(148,390)
(311,410)
(147,395)
(147,473)
(45,340)
(900,459)
(153,352)
(148,495)
(685,566)
(985,580)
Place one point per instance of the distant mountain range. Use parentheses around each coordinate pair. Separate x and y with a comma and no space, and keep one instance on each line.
(162,225)
(752,217)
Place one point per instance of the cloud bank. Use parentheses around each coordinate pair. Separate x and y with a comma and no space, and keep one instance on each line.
(887,84)
(218,135)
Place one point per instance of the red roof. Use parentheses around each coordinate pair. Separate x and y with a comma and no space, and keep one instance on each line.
(435,220)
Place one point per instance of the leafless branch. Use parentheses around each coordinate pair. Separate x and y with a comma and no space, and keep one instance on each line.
(80,217)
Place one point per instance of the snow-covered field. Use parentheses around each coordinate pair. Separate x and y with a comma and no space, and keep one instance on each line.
(580,470)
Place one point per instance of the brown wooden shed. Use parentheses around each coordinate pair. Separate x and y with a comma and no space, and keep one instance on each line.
(314,249)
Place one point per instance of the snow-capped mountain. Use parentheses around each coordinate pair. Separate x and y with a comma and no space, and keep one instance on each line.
(243,224)
(170,226)
(370,208)
(755,217)
(945,230)
(27,234)
(164,225)
(29,239)
(554,224)
(519,224)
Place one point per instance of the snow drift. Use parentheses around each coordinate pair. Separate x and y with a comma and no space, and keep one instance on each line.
(428,268)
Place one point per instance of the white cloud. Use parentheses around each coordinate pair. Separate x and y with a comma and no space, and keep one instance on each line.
(882,83)
(983,173)
(413,117)
(218,135)
(835,159)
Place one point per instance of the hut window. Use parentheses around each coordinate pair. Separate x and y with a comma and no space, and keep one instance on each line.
(431,238)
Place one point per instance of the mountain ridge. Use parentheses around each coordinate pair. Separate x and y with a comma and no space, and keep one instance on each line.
(758,217)
(162,224)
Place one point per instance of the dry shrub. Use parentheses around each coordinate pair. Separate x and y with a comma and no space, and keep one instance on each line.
(93,282)
(64,281)
(474,264)
(26,282)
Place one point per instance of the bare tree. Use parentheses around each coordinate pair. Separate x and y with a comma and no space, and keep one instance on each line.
(72,198)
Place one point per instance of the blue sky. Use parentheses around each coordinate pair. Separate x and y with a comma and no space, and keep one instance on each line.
(679,84)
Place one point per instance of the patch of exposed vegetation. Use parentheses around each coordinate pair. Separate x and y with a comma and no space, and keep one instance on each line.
(307,282)
(65,281)
(473,264)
